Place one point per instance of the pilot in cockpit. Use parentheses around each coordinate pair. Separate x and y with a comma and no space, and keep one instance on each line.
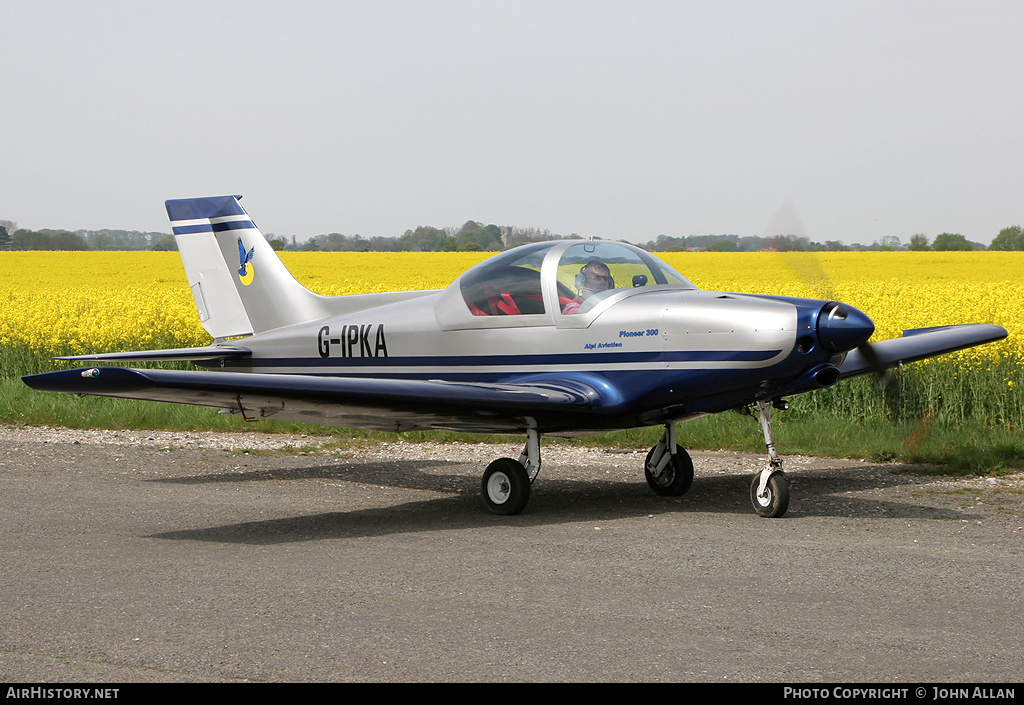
(594,277)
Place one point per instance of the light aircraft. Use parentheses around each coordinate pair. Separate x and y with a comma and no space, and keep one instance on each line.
(561,337)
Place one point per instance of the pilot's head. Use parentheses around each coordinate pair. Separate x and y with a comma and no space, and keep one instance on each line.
(594,277)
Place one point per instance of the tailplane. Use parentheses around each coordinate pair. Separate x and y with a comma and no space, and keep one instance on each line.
(239,283)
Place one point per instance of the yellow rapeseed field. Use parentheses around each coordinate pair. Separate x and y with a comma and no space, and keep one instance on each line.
(76,302)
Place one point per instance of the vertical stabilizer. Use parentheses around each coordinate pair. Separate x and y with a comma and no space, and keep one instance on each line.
(239,283)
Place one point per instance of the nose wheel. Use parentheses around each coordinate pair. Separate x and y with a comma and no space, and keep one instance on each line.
(769,490)
(771,500)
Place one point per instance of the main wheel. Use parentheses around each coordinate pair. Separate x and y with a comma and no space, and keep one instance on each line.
(506,486)
(775,502)
(675,479)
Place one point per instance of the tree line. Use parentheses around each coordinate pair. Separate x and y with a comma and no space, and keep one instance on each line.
(475,236)
(796,243)
(14,238)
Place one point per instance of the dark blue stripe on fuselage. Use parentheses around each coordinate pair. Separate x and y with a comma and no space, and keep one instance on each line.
(569,360)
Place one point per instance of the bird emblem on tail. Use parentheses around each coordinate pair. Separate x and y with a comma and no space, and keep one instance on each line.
(245,271)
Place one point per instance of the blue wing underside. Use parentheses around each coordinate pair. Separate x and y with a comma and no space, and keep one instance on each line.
(555,403)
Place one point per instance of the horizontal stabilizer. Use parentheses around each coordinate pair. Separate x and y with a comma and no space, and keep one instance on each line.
(919,344)
(209,352)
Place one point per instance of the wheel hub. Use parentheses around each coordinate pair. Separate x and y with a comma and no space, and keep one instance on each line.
(666,477)
(498,488)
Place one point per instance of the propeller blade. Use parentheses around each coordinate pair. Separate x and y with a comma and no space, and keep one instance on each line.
(882,373)
(786,228)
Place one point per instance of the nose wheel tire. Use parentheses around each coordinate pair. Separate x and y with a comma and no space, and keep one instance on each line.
(506,486)
(775,501)
(675,479)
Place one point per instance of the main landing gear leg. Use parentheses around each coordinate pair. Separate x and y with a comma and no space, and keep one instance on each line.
(769,490)
(668,468)
(506,482)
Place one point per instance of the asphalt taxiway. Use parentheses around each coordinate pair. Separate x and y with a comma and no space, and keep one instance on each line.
(174,561)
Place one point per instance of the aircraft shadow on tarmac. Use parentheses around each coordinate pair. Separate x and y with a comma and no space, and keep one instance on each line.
(817,493)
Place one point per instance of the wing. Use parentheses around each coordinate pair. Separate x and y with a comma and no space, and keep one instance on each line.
(549,403)
(918,344)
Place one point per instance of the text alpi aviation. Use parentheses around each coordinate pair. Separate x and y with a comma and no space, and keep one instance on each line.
(562,337)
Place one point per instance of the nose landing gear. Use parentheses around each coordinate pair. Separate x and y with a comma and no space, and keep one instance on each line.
(769,490)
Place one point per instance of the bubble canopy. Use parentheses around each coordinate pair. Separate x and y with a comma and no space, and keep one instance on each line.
(579,273)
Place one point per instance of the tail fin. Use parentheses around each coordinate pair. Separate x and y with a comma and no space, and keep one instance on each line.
(239,283)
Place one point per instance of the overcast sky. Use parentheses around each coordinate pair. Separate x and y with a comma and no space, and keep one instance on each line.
(611,119)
